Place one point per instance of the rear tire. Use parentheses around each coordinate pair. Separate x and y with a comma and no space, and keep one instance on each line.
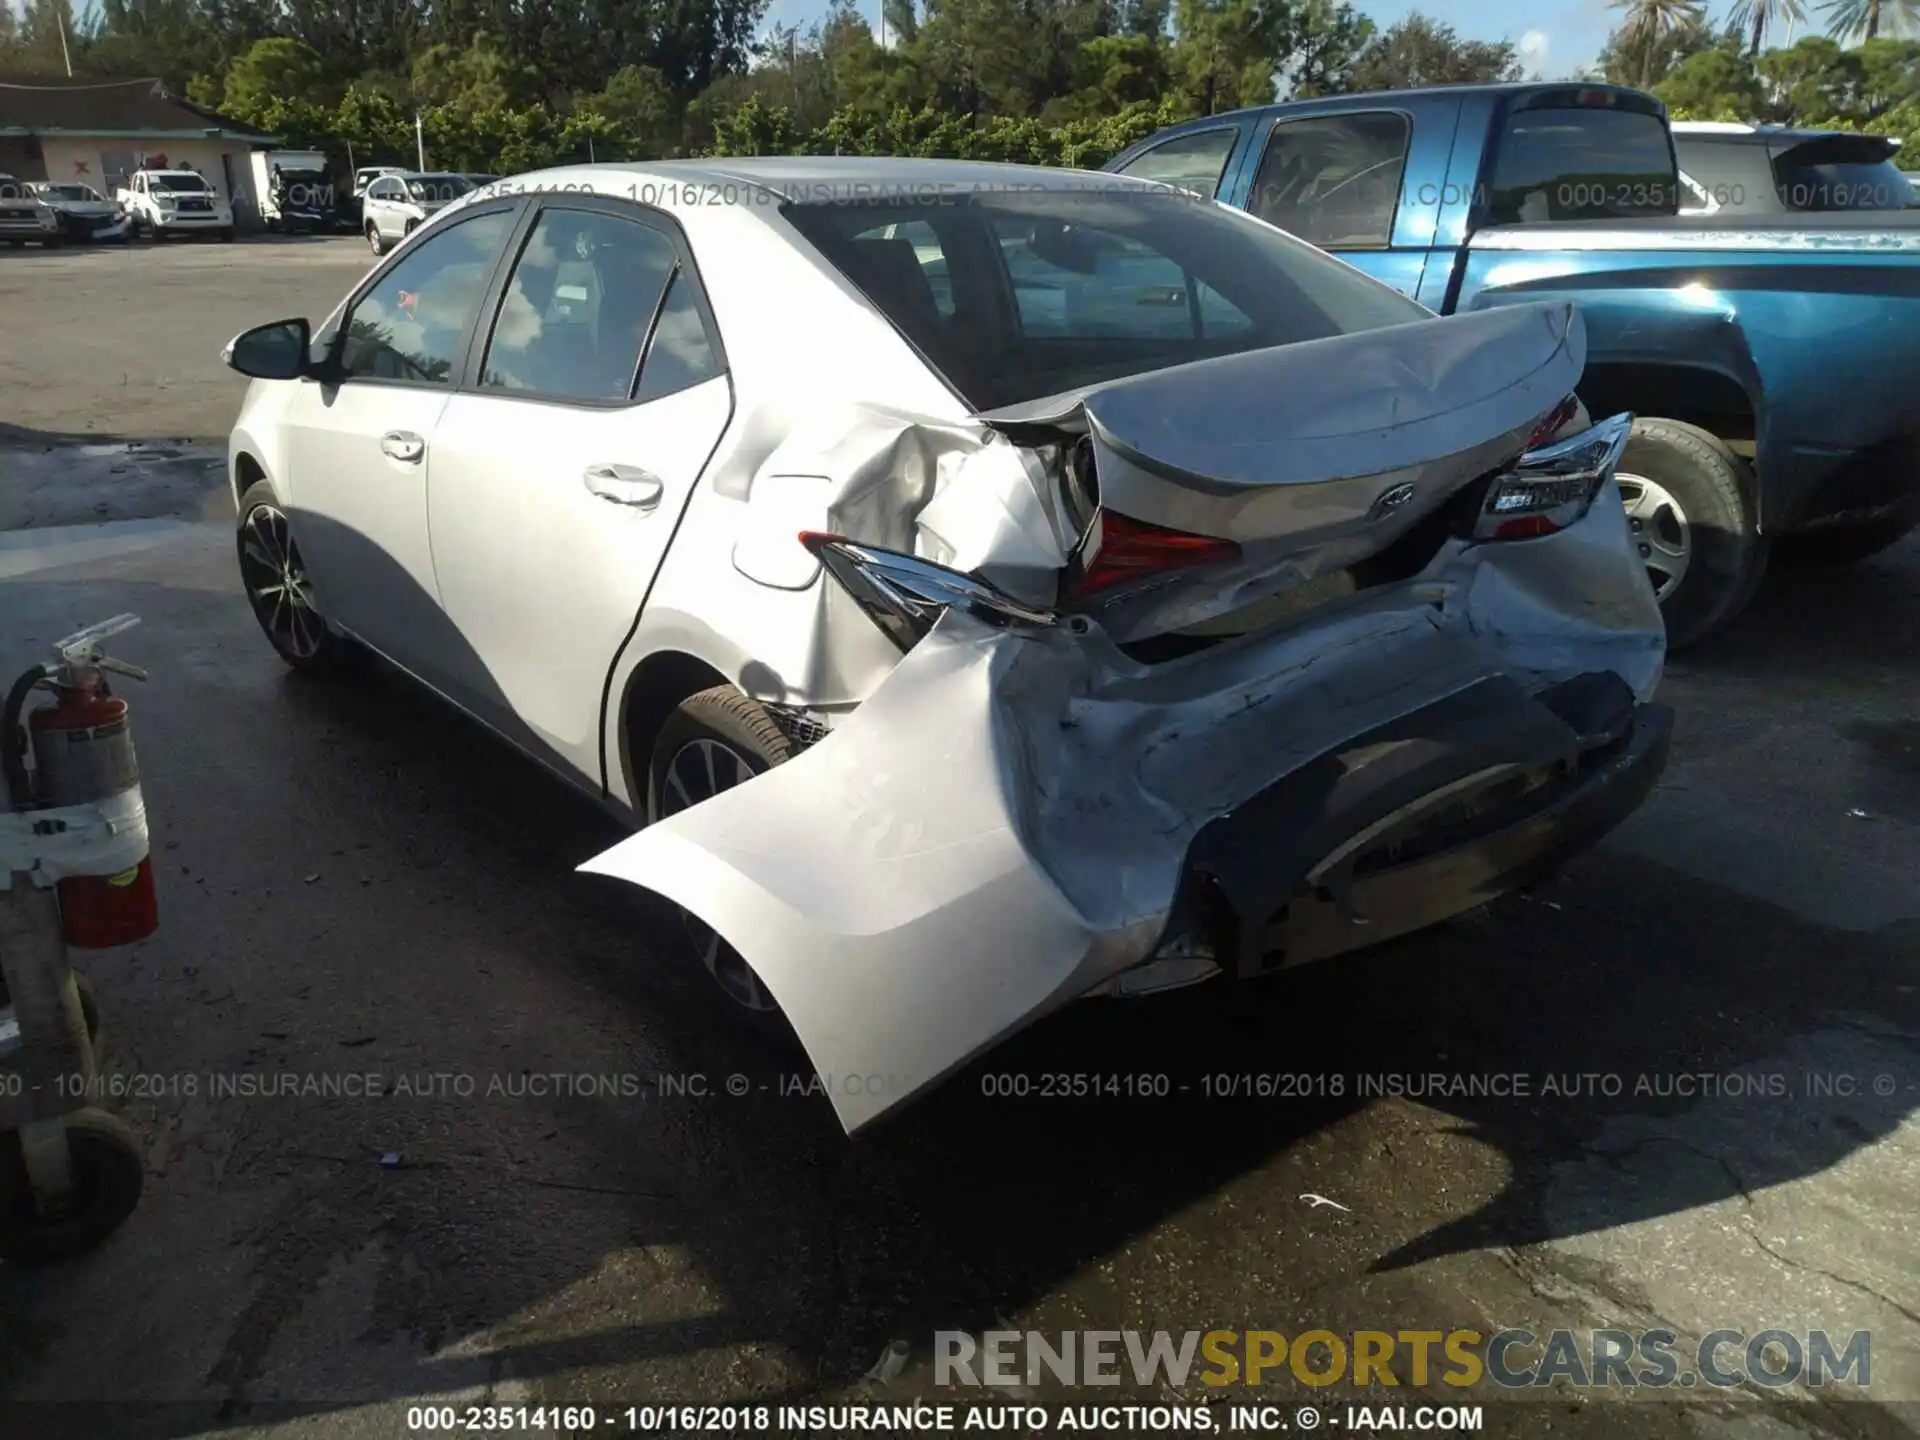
(1689,499)
(712,742)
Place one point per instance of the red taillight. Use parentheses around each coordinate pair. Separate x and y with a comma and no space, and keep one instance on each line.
(1131,550)
(1525,527)
(1555,421)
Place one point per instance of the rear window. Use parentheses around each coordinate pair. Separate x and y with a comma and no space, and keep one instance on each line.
(1582,163)
(1842,173)
(1017,295)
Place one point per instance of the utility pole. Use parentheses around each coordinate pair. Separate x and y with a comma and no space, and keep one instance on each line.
(60,14)
(419,141)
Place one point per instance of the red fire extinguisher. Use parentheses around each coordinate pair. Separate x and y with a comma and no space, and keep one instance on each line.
(78,751)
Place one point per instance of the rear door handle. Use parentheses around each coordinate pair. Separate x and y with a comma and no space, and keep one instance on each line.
(404,446)
(624,485)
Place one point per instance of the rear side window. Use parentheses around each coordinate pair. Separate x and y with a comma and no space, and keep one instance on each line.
(584,292)
(1187,162)
(1581,163)
(1842,173)
(1334,180)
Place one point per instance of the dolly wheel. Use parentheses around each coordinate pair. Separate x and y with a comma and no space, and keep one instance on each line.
(108,1170)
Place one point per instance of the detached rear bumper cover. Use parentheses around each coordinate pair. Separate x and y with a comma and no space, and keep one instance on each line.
(1006,822)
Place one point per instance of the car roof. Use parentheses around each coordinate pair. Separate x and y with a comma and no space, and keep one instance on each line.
(1738,134)
(834,177)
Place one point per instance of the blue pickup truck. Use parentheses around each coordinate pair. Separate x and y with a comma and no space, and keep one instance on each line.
(1774,363)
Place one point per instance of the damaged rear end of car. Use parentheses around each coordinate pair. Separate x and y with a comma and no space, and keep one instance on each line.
(1209,671)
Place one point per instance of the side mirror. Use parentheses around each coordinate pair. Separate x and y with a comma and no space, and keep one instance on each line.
(271,352)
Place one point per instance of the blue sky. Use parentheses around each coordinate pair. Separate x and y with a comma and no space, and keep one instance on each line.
(1556,37)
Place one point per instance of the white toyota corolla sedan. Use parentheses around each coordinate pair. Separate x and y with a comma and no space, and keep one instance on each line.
(982,586)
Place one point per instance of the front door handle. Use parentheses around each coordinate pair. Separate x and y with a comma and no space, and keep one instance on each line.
(404,446)
(624,485)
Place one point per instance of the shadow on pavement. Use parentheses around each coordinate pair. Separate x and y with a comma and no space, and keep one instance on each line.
(468,943)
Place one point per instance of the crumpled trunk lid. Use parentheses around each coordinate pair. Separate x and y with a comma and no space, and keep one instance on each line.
(1308,457)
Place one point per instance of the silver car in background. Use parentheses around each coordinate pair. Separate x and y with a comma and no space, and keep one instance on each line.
(982,587)
(395,205)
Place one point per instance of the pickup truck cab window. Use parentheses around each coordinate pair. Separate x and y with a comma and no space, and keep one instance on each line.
(1555,163)
(1194,161)
(1334,180)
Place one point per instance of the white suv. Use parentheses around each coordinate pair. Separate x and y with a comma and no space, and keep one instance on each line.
(397,205)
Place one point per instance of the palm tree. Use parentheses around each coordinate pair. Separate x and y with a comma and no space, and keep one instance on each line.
(1649,22)
(1757,17)
(1865,19)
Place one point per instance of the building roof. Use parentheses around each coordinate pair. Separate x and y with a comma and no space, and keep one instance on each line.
(131,108)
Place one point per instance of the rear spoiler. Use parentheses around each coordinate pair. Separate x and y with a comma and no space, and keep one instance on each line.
(1836,149)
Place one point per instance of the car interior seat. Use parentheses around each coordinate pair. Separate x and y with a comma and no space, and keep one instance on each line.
(890,272)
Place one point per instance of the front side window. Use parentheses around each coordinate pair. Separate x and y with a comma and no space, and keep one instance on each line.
(1193,163)
(1334,180)
(1052,290)
(1582,163)
(584,292)
(410,326)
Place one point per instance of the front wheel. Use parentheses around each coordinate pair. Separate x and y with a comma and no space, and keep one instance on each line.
(374,242)
(1690,509)
(281,593)
(712,742)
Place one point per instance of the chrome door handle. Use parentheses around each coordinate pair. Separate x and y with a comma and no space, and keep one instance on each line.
(624,485)
(403,445)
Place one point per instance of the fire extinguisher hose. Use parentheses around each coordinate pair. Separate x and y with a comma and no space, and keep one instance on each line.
(13,739)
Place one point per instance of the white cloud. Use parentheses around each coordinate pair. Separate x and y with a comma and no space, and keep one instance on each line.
(1534,47)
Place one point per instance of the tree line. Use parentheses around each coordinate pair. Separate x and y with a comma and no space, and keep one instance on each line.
(509,85)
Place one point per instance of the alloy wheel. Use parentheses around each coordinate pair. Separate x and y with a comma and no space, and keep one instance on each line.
(1661,532)
(277,584)
(699,770)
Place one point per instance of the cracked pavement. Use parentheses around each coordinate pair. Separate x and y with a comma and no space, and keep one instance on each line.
(356,883)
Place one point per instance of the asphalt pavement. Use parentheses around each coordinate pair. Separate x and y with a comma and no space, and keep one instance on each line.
(428,1114)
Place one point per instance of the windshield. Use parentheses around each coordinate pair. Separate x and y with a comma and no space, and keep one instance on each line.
(438,189)
(181,184)
(1017,295)
(68,192)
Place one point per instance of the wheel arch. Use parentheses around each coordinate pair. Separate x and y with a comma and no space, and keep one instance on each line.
(1697,395)
(652,691)
(246,472)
